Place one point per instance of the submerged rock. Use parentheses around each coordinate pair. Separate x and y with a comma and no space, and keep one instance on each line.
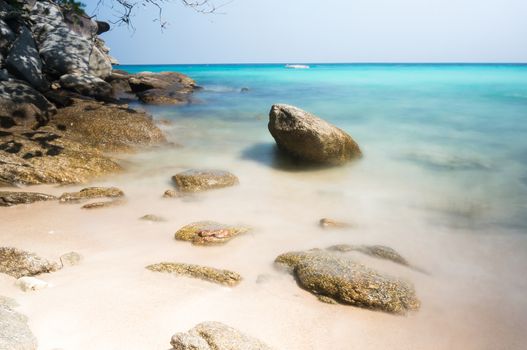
(103,204)
(330,223)
(215,336)
(14,330)
(196,180)
(172,194)
(210,274)
(209,232)
(70,259)
(28,284)
(307,137)
(19,263)
(91,193)
(338,277)
(8,198)
(377,251)
(153,218)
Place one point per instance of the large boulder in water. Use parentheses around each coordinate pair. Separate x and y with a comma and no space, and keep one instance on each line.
(336,276)
(215,336)
(307,137)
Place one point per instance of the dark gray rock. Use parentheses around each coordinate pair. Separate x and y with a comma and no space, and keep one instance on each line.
(24,61)
(304,136)
(88,85)
(7,37)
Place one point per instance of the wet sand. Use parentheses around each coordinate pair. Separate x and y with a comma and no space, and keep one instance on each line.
(472,294)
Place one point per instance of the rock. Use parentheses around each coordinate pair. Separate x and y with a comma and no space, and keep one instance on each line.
(19,263)
(196,180)
(24,61)
(91,193)
(209,233)
(22,105)
(172,194)
(215,336)
(31,284)
(14,330)
(151,217)
(162,88)
(102,27)
(70,259)
(86,84)
(103,204)
(307,137)
(7,37)
(46,156)
(244,89)
(163,97)
(338,277)
(109,128)
(330,223)
(8,198)
(377,251)
(210,274)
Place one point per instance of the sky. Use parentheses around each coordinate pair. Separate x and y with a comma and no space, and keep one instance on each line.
(307,31)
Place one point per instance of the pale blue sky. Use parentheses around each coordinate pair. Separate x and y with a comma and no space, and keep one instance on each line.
(259,31)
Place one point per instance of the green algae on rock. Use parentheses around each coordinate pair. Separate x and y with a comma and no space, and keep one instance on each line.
(338,277)
(377,251)
(18,263)
(215,336)
(91,193)
(8,198)
(210,274)
(209,232)
(197,180)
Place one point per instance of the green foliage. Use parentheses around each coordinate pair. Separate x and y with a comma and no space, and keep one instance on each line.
(71,5)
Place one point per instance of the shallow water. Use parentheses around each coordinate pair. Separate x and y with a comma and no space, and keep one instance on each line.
(442,182)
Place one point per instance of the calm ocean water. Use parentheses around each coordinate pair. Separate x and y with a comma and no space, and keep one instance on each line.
(455,133)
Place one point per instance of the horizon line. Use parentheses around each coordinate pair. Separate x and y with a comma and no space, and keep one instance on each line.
(321,63)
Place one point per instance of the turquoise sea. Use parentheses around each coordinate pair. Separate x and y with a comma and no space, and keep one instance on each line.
(455,132)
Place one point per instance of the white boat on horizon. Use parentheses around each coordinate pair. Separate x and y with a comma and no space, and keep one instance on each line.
(297,66)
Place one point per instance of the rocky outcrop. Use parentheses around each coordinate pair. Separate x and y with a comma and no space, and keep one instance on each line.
(209,233)
(14,330)
(336,276)
(215,336)
(19,263)
(210,274)
(196,180)
(91,193)
(9,198)
(86,84)
(304,136)
(162,88)
(377,251)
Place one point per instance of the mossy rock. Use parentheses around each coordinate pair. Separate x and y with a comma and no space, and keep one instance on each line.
(337,276)
(377,251)
(91,193)
(209,232)
(18,263)
(197,180)
(210,274)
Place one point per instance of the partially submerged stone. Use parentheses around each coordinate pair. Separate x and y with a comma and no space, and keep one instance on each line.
(307,137)
(31,284)
(215,336)
(209,232)
(91,193)
(210,274)
(196,180)
(14,330)
(152,217)
(18,263)
(338,277)
(377,251)
(70,259)
(331,223)
(8,198)
(103,204)
(172,194)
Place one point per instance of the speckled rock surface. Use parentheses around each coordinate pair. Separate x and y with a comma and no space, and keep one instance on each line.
(18,263)
(104,204)
(331,223)
(91,193)
(196,180)
(215,336)
(210,274)
(209,232)
(377,251)
(335,275)
(9,198)
(14,330)
(307,137)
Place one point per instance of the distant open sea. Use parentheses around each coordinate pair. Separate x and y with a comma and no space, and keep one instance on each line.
(454,133)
